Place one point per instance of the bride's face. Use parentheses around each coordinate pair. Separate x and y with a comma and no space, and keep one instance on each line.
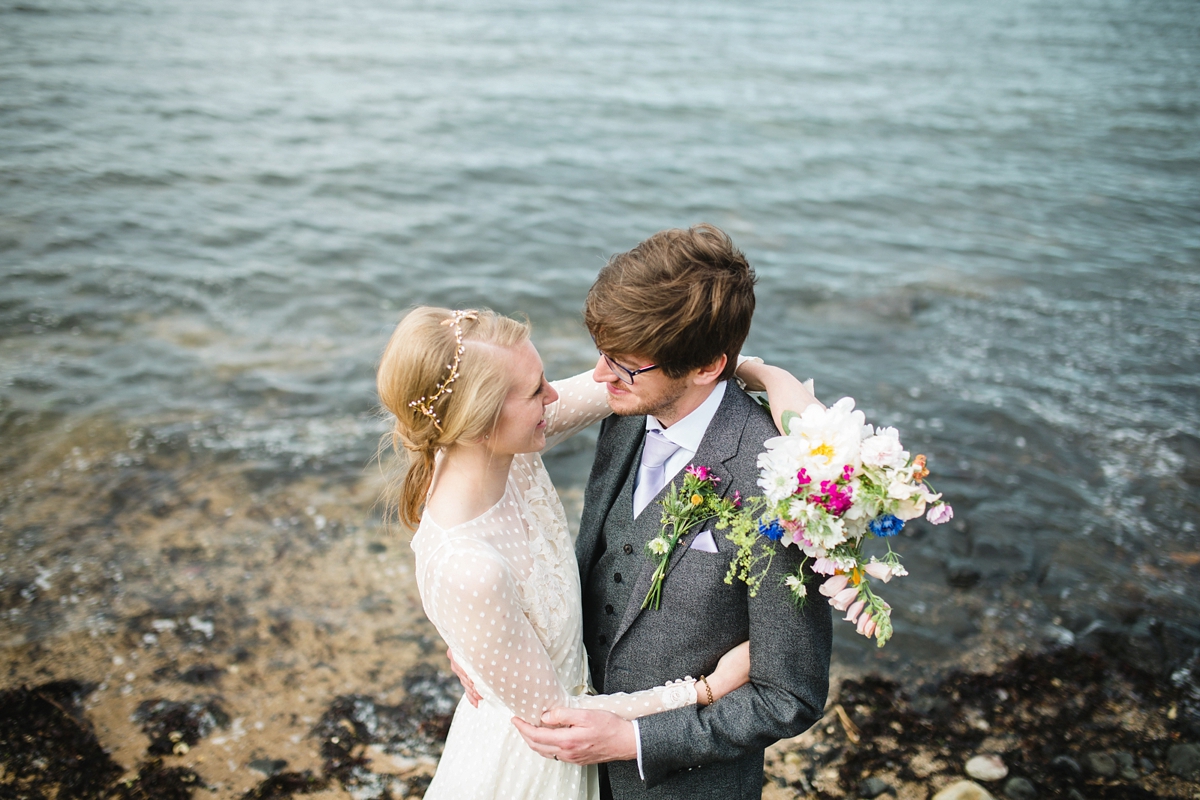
(522,424)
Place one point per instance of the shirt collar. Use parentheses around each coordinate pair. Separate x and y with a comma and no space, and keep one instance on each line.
(688,431)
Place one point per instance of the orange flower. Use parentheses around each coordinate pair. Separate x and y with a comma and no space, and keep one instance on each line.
(919,471)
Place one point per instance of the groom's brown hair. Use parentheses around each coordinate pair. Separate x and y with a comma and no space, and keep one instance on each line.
(681,298)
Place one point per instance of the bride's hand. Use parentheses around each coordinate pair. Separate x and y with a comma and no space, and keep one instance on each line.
(733,670)
(784,391)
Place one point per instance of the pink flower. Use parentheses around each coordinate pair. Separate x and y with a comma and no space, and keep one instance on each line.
(834,585)
(866,625)
(854,610)
(842,600)
(701,473)
(879,570)
(823,566)
(802,477)
(737,499)
(940,513)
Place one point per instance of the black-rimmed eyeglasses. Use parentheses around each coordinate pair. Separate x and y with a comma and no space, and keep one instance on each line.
(623,373)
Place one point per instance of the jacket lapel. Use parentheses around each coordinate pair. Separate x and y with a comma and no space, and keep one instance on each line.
(719,446)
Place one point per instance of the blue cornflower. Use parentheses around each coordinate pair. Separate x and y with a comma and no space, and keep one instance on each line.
(773,531)
(886,525)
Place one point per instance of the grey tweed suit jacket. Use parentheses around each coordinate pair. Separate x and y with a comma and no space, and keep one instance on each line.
(715,751)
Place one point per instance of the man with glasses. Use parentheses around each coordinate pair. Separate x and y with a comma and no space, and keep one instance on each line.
(669,319)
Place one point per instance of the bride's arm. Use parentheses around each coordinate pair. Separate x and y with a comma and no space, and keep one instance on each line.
(471,597)
(581,402)
(784,391)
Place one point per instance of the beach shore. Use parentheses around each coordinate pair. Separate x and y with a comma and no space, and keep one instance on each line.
(175,626)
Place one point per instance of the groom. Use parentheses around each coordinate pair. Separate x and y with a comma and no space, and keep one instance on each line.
(669,319)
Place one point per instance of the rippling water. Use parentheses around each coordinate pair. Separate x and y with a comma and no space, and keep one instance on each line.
(982,221)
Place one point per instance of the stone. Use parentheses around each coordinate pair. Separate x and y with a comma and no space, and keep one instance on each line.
(1065,765)
(987,768)
(1125,769)
(963,790)
(268,766)
(873,787)
(1019,789)
(1102,765)
(1075,794)
(1183,760)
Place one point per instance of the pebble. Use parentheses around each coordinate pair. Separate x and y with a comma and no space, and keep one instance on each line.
(963,790)
(872,787)
(1184,760)
(1102,765)
(1067,766)
(1125,768)
(987,768)
(1019,789)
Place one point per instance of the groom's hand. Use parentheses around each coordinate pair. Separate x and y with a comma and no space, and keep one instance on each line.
(580,737)
(473,697)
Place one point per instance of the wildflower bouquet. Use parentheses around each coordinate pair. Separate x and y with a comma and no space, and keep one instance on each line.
(683,509)
(829,484)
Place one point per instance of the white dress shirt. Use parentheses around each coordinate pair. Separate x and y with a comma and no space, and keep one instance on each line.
(687,432)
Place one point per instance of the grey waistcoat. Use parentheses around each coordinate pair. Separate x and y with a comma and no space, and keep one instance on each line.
(621,552)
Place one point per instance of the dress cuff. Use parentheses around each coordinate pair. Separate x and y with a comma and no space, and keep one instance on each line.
(637,737)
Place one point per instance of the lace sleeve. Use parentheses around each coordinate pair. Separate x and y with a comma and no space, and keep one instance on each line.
(581,402)
(470,596)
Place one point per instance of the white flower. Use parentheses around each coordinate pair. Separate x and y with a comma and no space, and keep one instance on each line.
(901,488)
(827,532)
(777,474)
(796,585)
(823,441)
(884,449)
(659,546)
(914,506)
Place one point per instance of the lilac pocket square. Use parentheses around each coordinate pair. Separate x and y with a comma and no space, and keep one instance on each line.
(704,542)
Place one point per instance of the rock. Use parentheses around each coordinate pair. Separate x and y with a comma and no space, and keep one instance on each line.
(1102,765)
(987,768)
(873,787)
(268,766)
(1075,794)
(1019,789)
(1125,768)
(1065,765)
(963,790)
(961,573)
(1184,760)
(1147,765)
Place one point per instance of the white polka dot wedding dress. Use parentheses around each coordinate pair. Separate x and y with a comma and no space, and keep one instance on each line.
(503,591)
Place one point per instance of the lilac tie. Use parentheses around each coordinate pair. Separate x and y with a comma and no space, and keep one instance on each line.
(652,474)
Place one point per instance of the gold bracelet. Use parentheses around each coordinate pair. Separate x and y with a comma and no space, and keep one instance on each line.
(707,688)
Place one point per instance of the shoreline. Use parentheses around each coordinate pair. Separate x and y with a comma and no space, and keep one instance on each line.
(185,621)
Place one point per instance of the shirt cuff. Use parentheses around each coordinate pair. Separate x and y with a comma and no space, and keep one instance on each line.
(637,737)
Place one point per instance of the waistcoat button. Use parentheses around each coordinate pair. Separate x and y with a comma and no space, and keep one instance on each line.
(617,578)
(608,609)
(628,549)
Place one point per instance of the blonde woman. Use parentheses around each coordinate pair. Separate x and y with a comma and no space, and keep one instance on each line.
(494,559)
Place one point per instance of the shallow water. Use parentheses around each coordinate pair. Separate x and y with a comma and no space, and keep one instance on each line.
(981,222)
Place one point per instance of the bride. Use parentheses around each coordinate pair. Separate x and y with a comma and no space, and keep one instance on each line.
(495,565)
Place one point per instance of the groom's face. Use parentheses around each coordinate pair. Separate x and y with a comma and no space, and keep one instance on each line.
(650,393)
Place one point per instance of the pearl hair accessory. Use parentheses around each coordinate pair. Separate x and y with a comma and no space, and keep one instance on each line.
(425,404)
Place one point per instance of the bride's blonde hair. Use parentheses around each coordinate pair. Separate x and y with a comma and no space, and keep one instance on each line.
(438,396)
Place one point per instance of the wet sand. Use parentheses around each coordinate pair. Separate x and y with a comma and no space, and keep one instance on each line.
(174,622)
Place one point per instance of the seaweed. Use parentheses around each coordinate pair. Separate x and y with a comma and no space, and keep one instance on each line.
(48,749)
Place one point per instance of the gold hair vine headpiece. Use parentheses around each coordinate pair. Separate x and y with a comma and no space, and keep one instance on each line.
(425,404)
